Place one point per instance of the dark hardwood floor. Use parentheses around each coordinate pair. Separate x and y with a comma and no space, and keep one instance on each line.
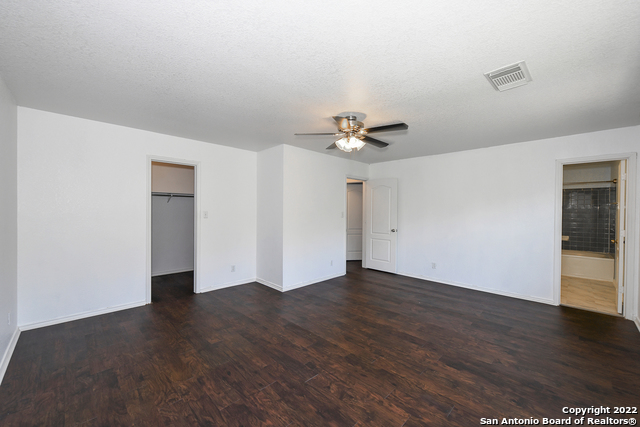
(367,349)
(171,287)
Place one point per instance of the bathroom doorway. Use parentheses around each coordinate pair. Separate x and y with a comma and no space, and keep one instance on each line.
(593,236)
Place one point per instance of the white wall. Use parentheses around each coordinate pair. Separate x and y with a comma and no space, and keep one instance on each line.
(83,222)
(488,224)
(315,215)
(8,226)
(270,217)
(486,217)
(172,229)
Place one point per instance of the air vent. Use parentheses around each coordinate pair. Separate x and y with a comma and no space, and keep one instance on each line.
(508,77)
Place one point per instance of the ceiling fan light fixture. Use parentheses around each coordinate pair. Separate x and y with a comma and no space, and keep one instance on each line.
(348,144)
(356,143)
(343,144)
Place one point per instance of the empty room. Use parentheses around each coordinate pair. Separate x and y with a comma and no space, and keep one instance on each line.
(319,213)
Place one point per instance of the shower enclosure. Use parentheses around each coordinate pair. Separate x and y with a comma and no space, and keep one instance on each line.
(589,218)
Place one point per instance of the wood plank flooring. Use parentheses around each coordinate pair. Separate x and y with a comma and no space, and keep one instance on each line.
(170,287)
(366,349)
(596,295)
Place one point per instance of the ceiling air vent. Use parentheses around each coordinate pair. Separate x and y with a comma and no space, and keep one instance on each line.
(508,77)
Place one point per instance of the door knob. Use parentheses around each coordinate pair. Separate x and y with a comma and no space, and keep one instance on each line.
(393,230)
(614,241)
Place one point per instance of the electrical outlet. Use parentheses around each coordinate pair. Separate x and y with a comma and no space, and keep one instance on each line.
(331,262)
(205,214)
(433,265)
(233,268)
(9,318)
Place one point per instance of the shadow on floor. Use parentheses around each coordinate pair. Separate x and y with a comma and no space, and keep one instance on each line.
(170,287)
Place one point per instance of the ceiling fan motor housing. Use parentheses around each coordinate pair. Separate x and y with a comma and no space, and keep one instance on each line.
(350,124)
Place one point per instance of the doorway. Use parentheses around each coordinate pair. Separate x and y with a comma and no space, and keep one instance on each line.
(172,226)
(354,219)
(593,236)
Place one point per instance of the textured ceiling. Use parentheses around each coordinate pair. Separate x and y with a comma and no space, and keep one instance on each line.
(249,74)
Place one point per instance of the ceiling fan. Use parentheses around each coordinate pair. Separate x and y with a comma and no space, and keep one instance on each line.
(353,134)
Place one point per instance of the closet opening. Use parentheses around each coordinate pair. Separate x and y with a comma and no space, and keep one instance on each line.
(354,220)
(172,231)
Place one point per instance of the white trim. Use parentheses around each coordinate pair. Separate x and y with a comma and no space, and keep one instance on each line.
(352,176)
(228,285)
(164,273)
(632,261)
(311,282)
(196,222)
(269,284)
(83,315)
(557,231)
(6,358)
(299,285)
(487,290)
(637,322)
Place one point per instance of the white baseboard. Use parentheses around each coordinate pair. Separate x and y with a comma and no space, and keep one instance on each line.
(83,315)
(311,282)
(637,322)
(269,284)
(300,284)
(227,285)
(6,358)
(487,290)
(164,273)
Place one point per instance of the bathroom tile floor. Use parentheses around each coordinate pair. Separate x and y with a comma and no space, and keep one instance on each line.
(594,295)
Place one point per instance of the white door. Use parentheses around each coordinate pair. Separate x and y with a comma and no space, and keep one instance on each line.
(381,224)
(621,231)
(354,222)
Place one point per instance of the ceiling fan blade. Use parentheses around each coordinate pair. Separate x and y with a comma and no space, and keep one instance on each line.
(332,146)
(374,142)
(386,128)
(326,133)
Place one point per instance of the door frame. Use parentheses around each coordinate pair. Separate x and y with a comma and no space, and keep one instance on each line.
(344,250)
(632,262)
(348,208)
(196,219)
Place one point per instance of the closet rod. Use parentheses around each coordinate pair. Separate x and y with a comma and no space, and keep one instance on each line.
(172,194)
(591,182)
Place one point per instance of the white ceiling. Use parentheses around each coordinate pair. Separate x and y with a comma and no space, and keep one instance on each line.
(249,74)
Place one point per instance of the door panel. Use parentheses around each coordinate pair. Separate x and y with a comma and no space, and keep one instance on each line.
(380,212)
(380,250)
(381,217)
